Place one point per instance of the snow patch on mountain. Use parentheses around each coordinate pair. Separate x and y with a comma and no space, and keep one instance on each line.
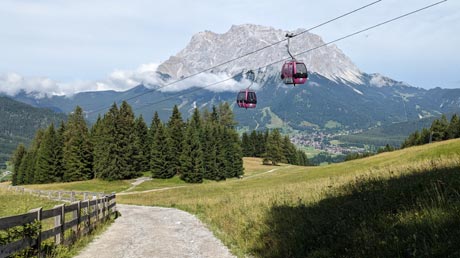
(207,49)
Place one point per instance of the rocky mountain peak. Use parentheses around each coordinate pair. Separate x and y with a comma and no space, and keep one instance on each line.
(208,48)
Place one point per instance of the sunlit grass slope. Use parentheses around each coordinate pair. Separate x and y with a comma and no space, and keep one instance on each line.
(13,203)
(95,185)
(400,204)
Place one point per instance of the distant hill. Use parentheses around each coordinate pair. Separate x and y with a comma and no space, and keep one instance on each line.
(19,122)
(392,134)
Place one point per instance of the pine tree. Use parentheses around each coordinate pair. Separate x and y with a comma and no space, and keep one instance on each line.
(302,159)
(27,167)
(97,140)
(46,169)
(453,129)
(246,144)
(107,153)
(226,117)
(192,168)
(142,146)
(289,151)
(16,160)
(59,153)
(236,154)
(176,128)
(425,135)
(210,153)
(214,116)
(274,152)
(439,128)
(78,158)
(257,144)
(161,155)
(153,127)
(126,141)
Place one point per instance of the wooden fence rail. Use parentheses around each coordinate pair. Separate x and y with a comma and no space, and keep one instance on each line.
(82,217)
(67,196)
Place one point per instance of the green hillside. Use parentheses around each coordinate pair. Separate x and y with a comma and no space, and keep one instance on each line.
(399,204)
(18,124)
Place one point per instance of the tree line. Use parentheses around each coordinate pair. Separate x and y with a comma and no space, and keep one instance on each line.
(440,130)
(121,146)
(272,148)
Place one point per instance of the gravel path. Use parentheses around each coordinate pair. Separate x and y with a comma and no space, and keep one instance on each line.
(155,232)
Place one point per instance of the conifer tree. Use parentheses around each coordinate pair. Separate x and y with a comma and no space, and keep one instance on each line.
(175,130)
(302,159)
(107,154)
(289,151)
(46,168)
(425,135)
(210,153)
(153,126)
(78,158)
(27,167)
(142,146)
(161,154)
(439,128)
(246,145)
(236,154)
(191,158)
(274,152)
(16,160)
(59,153)
(453,130)
(226,117)
(99,147)
(214,116)
(126,141)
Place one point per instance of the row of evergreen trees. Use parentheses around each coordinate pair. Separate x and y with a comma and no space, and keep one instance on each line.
(440,130)
(121,146)
(273,148)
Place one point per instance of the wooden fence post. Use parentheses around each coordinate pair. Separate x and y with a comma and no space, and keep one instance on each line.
(72,196)
(97,210)
(78,219)
(58,238)
(38,211)
(89,215)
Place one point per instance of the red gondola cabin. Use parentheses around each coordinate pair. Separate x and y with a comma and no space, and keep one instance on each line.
(246,99)
(294,72)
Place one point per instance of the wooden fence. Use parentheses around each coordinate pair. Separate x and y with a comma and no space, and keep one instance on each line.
(66,196)
(82,217)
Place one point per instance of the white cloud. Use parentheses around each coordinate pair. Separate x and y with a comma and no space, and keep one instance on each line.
(217,82)
(120,80)
(13,83)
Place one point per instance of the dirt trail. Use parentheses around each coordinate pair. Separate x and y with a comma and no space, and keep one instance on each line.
(144,231)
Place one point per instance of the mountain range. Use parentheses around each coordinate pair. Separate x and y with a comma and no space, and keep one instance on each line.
(338,96)
(19,123)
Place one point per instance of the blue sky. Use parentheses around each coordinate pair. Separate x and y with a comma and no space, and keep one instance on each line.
(76,44)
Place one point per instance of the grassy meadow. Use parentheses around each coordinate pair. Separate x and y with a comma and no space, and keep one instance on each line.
(13,203)
(399,204)
(95,185)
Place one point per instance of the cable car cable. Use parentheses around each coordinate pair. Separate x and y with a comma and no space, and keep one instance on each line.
(300,53)
(242,56)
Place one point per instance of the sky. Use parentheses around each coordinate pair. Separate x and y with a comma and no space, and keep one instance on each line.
(66,46)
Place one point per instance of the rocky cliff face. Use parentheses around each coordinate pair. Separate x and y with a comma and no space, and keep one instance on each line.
(208,49)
